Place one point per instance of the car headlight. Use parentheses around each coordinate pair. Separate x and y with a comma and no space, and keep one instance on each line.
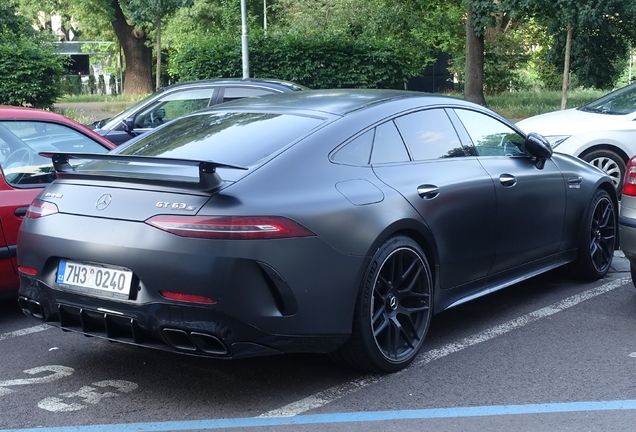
(555,140)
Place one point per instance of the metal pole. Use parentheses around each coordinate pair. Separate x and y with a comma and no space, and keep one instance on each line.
(265,15)
(631,61)
(244,47)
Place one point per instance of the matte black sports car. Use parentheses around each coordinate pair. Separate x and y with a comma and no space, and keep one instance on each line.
(322,221)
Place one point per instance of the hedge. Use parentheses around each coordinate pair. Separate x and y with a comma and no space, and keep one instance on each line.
(316,61)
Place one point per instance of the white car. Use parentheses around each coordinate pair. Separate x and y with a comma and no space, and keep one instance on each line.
(602,132)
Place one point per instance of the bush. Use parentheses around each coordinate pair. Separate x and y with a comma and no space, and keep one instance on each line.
(101,85)
(30,69)
(316,61)
(92,85)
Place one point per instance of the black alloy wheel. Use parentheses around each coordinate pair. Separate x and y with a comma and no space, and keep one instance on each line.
(598,237)
(393,311)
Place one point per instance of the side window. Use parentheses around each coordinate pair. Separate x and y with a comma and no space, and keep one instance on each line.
(172,106)
(388,145)
(233,93)
(430,135)
(490,136)
(357,151)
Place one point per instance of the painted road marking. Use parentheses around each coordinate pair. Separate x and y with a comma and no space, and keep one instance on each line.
(290,414)
(353,417)
(58,373)
(25,331)
(334,393)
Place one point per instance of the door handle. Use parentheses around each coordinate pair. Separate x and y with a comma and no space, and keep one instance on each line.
(508,180)
(427,191)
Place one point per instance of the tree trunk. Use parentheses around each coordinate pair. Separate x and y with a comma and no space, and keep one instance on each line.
(138,56)
(566,67)
(474,87)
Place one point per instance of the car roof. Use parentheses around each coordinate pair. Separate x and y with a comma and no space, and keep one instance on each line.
(336,101)
(24,113)
(13,112)
(260,82)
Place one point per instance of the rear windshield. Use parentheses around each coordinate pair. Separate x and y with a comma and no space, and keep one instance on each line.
(236,138)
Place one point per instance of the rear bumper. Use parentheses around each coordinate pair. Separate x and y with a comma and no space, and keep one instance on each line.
(186,329)
(627,236)
(287,295)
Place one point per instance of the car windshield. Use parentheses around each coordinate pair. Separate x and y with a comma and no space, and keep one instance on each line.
(619,102)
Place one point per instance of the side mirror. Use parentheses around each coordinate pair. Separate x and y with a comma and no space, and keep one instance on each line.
(539,148)
(129,124)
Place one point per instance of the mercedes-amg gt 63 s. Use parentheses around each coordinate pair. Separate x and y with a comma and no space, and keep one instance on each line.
(334,221)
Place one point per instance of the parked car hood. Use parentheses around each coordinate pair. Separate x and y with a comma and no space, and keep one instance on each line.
(572,121)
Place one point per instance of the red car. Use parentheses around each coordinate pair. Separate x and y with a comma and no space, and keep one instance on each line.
(23,133)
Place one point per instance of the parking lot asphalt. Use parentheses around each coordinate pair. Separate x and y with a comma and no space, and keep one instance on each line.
(619,263)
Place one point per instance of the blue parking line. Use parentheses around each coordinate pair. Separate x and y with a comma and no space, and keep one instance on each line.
(354,417)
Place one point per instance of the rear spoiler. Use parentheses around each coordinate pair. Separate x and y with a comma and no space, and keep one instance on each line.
(208,177)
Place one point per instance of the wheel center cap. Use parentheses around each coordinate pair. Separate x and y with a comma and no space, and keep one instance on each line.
(392,302)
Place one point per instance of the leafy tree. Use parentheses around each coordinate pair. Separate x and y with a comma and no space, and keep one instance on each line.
(41,11)
(30,69)
(154,11)
(590,37)
(132,21)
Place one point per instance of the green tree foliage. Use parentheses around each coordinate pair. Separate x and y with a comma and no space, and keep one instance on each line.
(29,67)
(317,61)
(603,31)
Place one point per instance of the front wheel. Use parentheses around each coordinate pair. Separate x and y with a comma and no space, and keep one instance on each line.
(597,238)
(393,309)
(610,162)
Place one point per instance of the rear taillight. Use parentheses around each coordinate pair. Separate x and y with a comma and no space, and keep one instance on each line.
(28,270)
(39,208)
(230,227)
(190,298)
(629,182)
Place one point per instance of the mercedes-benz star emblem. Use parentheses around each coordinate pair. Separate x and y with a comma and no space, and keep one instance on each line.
(103,201)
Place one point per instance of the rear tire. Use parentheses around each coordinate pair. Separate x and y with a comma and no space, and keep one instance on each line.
(393,310)
(597,238)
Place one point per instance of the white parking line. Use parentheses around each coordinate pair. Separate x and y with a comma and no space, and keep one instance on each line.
(334,393)
(24,332)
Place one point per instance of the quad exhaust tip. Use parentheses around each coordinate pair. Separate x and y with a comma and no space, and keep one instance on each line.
(31,307)
(194,341)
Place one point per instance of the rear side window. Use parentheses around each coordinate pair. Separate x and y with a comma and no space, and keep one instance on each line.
(388,145)
(233,93)
(357,151)
(430,135)
(238,138)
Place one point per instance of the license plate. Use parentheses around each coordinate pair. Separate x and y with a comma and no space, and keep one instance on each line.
(94,279)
